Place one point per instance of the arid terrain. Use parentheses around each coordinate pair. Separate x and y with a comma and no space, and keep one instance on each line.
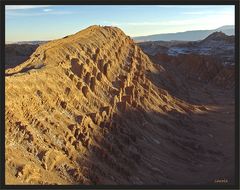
(97,108)
(17,53)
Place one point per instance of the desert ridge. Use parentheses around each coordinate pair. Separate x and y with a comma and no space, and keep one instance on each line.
(92,108)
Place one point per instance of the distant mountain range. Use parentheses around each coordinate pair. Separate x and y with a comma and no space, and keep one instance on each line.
(217,44)
(27,42)
(194,35)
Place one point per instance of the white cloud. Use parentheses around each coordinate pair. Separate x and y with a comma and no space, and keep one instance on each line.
(211,19)
(189,6)
(22,7)
(171,26)
(135,23)
(194,13)
(43,13)
(19,10)
(47,10)
(208,12)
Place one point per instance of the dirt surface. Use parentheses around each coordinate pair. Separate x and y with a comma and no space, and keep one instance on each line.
(92,108)
(15,54)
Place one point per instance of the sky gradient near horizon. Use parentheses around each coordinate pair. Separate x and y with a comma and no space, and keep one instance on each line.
(44,22)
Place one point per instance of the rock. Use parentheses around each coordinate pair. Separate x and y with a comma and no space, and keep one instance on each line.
(87,78)
(94,71)
(105,69)
(127,98)
(99,76)
(79,85)
(79,119)
(63,104)
(85,91)
(67,91)
(122,106)
(96,118)
(93,84)
(97,51)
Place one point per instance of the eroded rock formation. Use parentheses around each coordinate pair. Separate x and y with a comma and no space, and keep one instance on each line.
(95,112)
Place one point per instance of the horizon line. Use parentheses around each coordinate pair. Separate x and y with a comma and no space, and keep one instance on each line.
(46,40)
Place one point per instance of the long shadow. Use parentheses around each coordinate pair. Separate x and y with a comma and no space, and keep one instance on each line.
(15,54)
(26,69)
(135,146)
(184,87)
(151,148)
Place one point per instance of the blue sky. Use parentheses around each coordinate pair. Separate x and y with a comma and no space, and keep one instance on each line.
(45,22)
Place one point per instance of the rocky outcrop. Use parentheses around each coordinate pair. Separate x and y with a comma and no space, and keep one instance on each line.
(97,112)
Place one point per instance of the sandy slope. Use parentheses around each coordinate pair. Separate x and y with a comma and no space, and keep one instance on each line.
(92,108)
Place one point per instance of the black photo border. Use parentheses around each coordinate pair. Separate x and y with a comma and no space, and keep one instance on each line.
(3,3)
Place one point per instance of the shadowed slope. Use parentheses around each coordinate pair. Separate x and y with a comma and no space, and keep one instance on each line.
(90,114)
